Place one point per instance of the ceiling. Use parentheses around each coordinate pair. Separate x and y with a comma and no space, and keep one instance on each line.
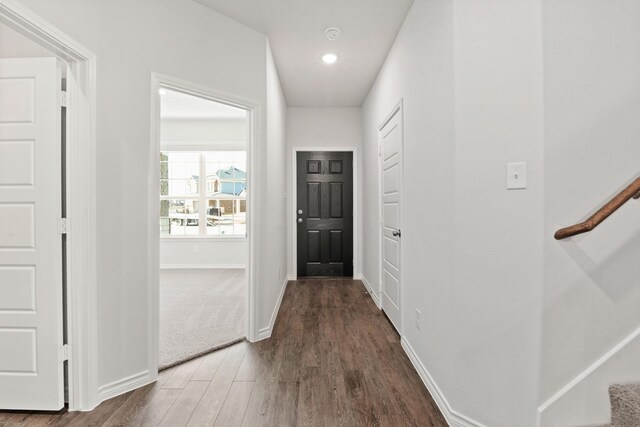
(177,105)
(296,33)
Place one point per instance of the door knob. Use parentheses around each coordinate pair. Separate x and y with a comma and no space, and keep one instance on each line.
(397,233)
(299,220)
(300,211)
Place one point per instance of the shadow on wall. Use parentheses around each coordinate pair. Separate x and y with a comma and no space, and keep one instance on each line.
(616,272)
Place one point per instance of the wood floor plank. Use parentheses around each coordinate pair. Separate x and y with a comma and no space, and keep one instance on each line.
(261,404)
(285,411)
(157,408)
(251,365)
(181,410)
(25,418)
(136,403)
(215,394)
(210,365)
(183,373)
(95,417)
(235,405)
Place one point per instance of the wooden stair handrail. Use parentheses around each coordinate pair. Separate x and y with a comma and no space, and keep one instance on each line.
(632,191)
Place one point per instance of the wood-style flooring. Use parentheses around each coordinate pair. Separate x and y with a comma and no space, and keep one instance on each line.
(333,360)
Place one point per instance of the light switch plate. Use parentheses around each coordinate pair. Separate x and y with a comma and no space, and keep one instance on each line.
(516,176)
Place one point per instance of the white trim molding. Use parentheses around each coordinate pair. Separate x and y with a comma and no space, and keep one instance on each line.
(454,418)
(81,197)
(374,295)
(124,385)
(254,140)
(294,201)
(203,266)
(266,332)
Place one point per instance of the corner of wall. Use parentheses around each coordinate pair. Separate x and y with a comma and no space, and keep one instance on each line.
(264,333)
(375,295)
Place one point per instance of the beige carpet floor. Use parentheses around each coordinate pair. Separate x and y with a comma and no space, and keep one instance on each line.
(200,310)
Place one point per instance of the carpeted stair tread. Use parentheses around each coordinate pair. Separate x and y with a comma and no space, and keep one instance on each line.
(625,405)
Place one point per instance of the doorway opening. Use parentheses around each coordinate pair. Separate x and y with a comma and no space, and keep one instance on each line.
(325,207)
(203,219)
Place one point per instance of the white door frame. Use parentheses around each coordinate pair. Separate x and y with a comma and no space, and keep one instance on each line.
(399,110)
(294,203)
(253,108)
(81,197)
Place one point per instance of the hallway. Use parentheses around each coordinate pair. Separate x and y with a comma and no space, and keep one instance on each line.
(333,360)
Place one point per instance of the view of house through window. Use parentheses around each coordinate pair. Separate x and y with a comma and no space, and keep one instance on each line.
(203,193)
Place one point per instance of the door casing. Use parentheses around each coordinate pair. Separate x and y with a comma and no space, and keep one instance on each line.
(80,201)
(253,109)
(293,229)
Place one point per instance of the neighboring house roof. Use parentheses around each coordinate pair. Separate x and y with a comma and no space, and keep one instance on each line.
(208,176)
(232,173)
(227,174)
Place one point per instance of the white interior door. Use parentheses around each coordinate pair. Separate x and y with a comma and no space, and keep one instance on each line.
(31,369)
(390,139)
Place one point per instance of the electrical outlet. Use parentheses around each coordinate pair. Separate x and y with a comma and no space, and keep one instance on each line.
(418,327)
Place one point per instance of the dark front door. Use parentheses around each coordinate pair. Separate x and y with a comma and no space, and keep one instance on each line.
(325,213)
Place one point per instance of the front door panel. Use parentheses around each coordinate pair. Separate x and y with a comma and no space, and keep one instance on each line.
(325,213)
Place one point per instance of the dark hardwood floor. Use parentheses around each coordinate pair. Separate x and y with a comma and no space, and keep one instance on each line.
(333,360)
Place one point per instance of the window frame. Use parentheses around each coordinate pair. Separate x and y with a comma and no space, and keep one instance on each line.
(202,198)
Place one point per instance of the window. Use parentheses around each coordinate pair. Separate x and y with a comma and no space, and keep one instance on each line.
(203,193)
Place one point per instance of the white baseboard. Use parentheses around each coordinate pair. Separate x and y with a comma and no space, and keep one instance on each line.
(374,295)
(291,277)
(266,332)
(124,385)
(202,266)
(453,418)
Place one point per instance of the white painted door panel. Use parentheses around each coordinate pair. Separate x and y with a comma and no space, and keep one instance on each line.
(31,374)
(390,138)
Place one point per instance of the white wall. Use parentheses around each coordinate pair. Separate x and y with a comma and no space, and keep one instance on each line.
(15,45)
(498,233)
(212,134)
(228,252)
(272,263)
(329,128)
(592,149)
(179,38)
(203,134)
(472,250)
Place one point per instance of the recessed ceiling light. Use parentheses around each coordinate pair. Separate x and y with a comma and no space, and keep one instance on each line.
(329,58)
(162,91)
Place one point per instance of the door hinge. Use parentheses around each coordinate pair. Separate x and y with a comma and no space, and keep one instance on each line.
(63,99)
(64,353)
(64,226)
